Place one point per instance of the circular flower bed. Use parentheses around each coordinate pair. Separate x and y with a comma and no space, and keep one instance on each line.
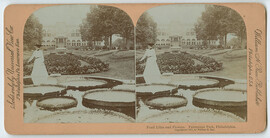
(166,102)
(57,103)
(69,64)
(182,63)
(91,116)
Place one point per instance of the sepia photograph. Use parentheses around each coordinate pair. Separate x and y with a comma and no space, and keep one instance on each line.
(134,68)
(191,64)
(79,65)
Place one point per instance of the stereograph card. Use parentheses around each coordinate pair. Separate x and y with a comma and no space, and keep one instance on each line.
(135,68)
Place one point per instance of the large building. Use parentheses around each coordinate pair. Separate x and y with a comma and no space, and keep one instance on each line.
(173,35)
(63,35)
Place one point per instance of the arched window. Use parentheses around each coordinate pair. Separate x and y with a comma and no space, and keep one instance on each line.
(158,40)
(188,41)
(168,40)
(193,42)
(162,39)
(78,42)
(48,41)
(73,43)
(183,41)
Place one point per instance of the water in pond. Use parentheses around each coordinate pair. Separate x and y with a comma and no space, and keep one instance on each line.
(33,112)
(144,111)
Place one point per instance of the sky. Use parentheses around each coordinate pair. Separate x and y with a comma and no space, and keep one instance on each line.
(73,14)
(70,14)
(181,13)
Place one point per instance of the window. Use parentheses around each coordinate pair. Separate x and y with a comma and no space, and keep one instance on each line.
(73,43)
(188,41)
(193,42)
(78,43)
(183,41)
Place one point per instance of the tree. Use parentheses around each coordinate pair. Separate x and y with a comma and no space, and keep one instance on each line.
(104,21)
(32,34)
(217,21)
(146,29)
(125,27)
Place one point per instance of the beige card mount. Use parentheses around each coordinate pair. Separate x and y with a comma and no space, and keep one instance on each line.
(135,68)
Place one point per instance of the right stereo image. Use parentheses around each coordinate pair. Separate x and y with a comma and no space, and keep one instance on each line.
(191,64)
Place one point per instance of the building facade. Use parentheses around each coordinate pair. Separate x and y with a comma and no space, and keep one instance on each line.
(183,37)
(62,35)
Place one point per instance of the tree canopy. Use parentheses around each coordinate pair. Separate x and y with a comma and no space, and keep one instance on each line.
(104,21)
(146,30)
(217,21)
(32,34)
